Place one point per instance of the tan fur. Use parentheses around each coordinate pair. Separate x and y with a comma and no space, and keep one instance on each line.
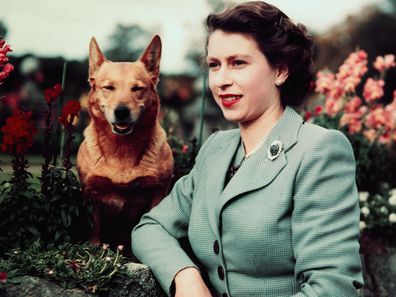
(123,175)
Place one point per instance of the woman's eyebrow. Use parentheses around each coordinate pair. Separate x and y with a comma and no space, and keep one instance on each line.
(231,57)
(243,56)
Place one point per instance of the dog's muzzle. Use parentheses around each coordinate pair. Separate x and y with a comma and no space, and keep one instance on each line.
(123,121)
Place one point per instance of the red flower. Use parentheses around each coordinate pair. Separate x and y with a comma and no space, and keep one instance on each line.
(373,89)
(4,50)
(3,277)
(18,133)
(384,63)
(69,111)
(184,149)
(318,110)
(50,95)
(5,68)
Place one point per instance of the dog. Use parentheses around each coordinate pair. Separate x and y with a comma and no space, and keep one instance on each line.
(124,162)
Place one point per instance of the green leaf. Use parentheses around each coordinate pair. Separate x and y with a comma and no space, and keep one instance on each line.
(33,230)
(58,235)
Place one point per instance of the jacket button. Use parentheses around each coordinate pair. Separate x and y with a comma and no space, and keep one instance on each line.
(220,271)
(216,247)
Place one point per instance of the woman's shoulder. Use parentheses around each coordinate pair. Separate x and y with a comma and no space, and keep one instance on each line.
(217,141)
(226,135)
(219,138)
(318,137)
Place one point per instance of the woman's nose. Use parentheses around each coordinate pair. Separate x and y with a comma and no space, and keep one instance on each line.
(223,78)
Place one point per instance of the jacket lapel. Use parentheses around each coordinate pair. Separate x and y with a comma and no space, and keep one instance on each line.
(218,164)
(258,171)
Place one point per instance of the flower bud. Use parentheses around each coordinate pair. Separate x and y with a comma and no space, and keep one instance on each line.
(365,211)
(363,196)
(392,218)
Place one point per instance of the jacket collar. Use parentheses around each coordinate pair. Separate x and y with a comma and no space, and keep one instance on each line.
(257,171)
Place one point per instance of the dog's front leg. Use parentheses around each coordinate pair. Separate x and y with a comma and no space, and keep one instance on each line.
(97,213)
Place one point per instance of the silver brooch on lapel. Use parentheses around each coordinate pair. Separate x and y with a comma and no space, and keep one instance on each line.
(274,150)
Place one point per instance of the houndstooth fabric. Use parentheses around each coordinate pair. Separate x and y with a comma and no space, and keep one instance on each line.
(282,227)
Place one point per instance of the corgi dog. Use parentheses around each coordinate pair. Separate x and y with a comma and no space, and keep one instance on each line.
(125,163)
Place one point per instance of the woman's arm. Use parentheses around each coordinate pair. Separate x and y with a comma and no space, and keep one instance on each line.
(325,220)
(155,238)
(189,283)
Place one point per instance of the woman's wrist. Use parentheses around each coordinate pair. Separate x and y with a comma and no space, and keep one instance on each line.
(186,275)
(189,282)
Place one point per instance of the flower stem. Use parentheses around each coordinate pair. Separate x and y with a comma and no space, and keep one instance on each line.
(46,150)
(67,152)
(20,174)
(59,129)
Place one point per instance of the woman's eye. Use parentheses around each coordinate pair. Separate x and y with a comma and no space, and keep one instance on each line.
(213,65)
(238,62)
(137,88)
(110,88)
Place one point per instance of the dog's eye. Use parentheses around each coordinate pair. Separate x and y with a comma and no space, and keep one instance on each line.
(137,88)
(110,88)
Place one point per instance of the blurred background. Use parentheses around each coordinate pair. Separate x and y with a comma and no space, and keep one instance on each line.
(45,33)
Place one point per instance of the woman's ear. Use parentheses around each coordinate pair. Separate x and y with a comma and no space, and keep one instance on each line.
(282,73)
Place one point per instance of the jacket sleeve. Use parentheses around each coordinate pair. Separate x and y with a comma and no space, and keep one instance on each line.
(155,238)
(325,220)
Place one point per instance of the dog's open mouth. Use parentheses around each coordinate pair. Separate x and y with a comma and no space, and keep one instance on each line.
(122,128)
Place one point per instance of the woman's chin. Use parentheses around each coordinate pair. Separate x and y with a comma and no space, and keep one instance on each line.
(231,117)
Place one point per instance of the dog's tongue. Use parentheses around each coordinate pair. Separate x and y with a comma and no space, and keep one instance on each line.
(122,126)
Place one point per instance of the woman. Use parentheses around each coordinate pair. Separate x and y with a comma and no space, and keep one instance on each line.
(271,208)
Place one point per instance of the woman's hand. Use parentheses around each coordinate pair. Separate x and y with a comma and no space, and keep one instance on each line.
(189,283)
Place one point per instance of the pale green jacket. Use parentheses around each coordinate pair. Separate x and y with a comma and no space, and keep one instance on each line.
(282,227)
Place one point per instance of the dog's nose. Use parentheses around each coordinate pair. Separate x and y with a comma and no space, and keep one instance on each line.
(122,112)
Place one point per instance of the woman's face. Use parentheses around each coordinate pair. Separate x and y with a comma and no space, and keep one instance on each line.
(240,78)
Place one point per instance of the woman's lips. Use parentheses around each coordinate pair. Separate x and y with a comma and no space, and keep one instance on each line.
(230,100)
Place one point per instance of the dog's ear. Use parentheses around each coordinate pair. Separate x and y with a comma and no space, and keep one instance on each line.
(96,58)
(151,58)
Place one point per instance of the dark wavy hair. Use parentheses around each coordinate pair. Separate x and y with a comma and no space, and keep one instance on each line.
(281,41)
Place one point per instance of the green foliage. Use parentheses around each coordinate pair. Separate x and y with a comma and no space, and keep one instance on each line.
(28,215)
(376,209)
(63,209)
(374,164)
(327,121)
(70,265)
(18,214)
(183,156)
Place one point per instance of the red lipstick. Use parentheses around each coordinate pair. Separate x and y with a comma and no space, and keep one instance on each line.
(229,100)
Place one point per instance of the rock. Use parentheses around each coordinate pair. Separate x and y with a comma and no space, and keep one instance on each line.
(139,282)
(380,274)
(31,286)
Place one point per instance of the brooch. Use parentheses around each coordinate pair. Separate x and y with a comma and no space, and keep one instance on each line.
(274,150)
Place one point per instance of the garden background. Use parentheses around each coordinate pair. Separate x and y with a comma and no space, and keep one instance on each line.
(354,92)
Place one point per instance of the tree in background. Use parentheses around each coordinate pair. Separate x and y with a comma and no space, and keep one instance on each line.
(3,30)
(369,30)
(218,5)
(127,42)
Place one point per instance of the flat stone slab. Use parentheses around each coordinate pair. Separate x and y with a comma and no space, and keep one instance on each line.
(139,282)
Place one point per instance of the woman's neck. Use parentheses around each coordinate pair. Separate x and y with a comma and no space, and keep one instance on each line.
(253,132)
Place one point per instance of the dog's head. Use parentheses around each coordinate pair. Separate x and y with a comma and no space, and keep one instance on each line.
(121,92)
